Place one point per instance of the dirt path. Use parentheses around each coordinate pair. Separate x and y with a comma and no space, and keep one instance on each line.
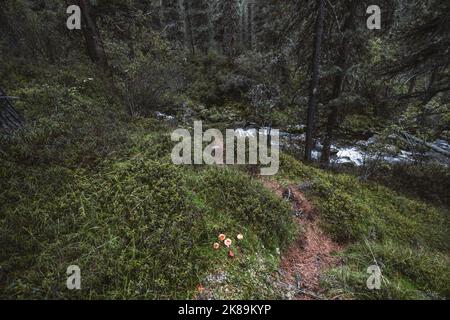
(311,254)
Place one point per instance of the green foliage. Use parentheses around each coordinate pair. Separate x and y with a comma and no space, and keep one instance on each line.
(207,79)
(137,228)
(249,203)
(408,273)
(409,237)
(26,26)
(151,77)
(358,123)
(75,130)
(84,185)
(429,182)
(130,228)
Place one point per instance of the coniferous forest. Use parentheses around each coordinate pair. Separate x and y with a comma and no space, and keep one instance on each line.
(350,99)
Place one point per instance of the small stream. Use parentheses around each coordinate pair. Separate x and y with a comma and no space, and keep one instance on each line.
(356,154)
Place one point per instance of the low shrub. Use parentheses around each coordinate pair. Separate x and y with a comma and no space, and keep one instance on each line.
(249,203)
(408,237)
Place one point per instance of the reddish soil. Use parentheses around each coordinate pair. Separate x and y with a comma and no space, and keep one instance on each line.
(312,252)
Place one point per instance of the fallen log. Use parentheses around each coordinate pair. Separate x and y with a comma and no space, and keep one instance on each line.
(10,119)
(410,138)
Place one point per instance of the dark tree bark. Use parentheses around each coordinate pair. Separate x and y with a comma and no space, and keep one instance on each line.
(260,23)
(412,85)
(428,96)
(172,22)
(188,26)
(10,119)
(198,15)
(230,28)
(314,86)
(250,25)
(338,86)
(94,44)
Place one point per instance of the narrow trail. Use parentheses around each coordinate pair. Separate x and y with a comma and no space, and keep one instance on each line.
(312,253)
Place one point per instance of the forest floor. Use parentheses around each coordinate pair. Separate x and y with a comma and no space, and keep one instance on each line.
(313,251)
(87,178)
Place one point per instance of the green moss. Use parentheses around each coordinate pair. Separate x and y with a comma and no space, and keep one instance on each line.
(409,237)
(408,273)
(83,184)
(137,228)
(235,195)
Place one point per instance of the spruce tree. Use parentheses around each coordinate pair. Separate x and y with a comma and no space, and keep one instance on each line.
(230,26)
(197,14)
(172,21)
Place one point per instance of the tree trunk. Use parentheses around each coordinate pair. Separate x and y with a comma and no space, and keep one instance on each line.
(338,87)
(230,28)
(188,27)
(172,22)
(10,119)
(412,85)
(429,95)
(332,119)
(198,15)
(250,25)
(314,86)
(94,44)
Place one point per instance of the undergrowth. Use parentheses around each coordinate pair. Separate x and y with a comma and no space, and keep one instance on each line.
(84,185)
(408,239)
